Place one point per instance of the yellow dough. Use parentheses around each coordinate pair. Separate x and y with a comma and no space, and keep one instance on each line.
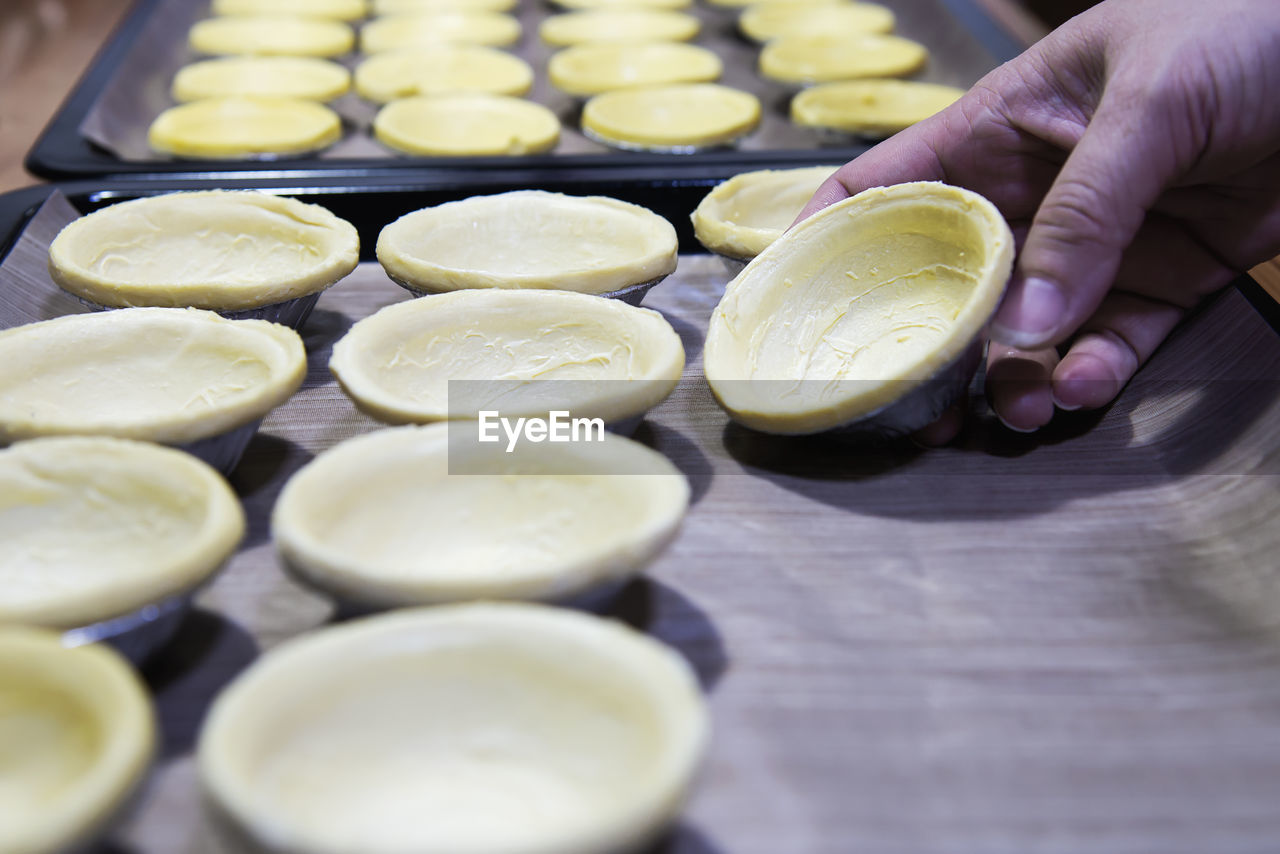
(398,7)
(524,352)
(617,25)
(673,5)
(743,215)
(217,249)
(169,375)
(425,515)
(677,117)
(468,728)
(589,69)
(469,124)
(243,127)
(529,239)
(857,306)
(771,20)
(873,108)
(77,733)
(342,10)
(96,528)
(439,69)
(818,59)
(398,32)
(273,76)
(272,35)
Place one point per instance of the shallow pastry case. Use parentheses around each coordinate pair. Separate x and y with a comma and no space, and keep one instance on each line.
(1054,643)
(101,128)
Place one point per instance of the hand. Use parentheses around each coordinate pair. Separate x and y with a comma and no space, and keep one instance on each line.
(1135,152)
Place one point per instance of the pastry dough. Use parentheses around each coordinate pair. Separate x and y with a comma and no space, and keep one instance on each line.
(398,7)
(417,515)
(818,59)
(874,108)
(771,20)
(445,68)
(77,733)
(467,125)
(169,375)
(271,35)
(217,249)
(618,25)
(529,239)
(589,69)
(398,32)
(857,306)
(525,352)
(342,10)
(97,528)
(671,5)
(479,728)
(671,118)
(242,127)
(743,215)
(274,76)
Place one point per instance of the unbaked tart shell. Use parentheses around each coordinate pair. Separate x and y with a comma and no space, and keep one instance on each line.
(743,215)
(858,309)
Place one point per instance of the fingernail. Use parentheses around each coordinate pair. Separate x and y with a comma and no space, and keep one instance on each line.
(1028,317)
(1063,406)
(1017,429)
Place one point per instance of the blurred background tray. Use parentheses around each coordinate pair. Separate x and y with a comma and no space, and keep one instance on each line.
(127,86)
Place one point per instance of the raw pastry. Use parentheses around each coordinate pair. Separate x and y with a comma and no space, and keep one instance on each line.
(246,126)
(874,303)
(771,20)
(467,125)
(818,59)
(618,25)
(680,117)
(874,108)
(397,32)
(482,729)
(743,215)
(271,35)
(444,68)
(589,69)
(342,10)
(276,76)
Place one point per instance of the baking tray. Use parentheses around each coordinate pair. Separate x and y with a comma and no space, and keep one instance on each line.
(127,86)
(1038,644)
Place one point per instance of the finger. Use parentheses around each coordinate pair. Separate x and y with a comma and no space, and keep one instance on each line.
(1117,340)
(1018,386)
(1088,218)
(946,428)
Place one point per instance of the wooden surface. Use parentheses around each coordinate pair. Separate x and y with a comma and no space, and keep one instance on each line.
(1058,643)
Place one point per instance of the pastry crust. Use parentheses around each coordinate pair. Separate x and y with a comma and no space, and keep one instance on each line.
(77,733)
(400,7)
(244,127)
(529,239)
(272,76)
(617,25)
(97,528)
(873,108)
(420,515)
(341,10)
(580,5)
(416,30)
(770,20)
(744,214)
(467,124)
(271,35)
(524,352)
(679,117)
(221,250)
(589,69)
(801,60)
(447,725)
(169,375)
(443,69)
(857,306)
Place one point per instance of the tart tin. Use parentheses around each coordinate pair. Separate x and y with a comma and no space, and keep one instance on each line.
(631,294)
(137,635)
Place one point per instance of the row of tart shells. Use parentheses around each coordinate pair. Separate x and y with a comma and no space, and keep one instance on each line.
(462,99)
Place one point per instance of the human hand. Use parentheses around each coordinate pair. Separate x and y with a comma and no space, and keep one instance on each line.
(1135,152)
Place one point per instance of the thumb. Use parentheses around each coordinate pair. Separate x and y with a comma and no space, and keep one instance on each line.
(1085,222)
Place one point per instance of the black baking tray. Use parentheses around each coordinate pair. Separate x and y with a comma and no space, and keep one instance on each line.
(63,152)
(375,200)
